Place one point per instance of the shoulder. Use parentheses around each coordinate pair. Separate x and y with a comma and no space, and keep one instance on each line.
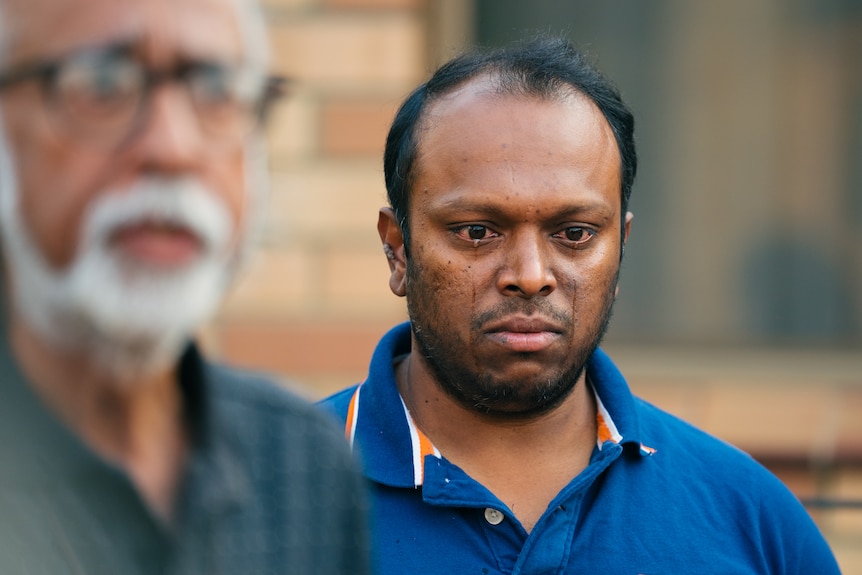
(248,390)
(303,497)
(694,450)
(704,466)
(281,441)
(658,425)
(706,476)
(255,406)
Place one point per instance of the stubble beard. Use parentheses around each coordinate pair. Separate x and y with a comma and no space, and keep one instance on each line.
(480,391)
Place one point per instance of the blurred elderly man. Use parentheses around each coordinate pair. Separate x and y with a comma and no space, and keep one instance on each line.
(130,177)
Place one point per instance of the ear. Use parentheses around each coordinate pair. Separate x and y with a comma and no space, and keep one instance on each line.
(393,247)
(629,217)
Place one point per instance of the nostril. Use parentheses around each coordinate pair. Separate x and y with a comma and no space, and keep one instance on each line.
(513,289)
(525,291)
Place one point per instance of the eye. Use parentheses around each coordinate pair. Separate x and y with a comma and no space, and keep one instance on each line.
(99,86)
(577,235)
(474,232)
(213,86)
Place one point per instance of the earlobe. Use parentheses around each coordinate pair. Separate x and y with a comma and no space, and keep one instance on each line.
(393,247)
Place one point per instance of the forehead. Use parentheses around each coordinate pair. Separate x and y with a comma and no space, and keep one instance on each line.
(478,111)
(475,131)
(162,28)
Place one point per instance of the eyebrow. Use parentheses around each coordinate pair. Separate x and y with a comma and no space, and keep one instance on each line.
(498,210)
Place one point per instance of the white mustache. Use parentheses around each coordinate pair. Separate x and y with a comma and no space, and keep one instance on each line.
(185,203)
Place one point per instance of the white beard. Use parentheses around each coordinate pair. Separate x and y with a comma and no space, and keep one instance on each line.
(130,318)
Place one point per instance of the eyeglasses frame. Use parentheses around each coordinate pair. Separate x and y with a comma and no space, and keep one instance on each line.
(46,71)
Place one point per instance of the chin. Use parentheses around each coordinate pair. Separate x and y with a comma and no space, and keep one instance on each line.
(130,321)
(130,318)
(128,363)
(138,323)
(142,329)
(512,398)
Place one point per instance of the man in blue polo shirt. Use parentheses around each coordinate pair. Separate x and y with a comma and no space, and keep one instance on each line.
(497,436)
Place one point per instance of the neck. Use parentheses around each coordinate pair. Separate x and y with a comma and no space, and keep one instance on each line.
(136,425)
(547,450)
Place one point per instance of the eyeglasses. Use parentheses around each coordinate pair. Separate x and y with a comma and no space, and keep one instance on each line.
(102,95)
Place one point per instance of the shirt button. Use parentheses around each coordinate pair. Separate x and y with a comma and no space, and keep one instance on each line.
(493,516)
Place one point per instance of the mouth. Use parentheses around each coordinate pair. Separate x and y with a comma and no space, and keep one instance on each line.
(524,334)
(158,243)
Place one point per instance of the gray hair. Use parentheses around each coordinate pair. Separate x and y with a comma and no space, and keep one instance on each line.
(253,29)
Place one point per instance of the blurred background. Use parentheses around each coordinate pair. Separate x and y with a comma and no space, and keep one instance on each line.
(740,307)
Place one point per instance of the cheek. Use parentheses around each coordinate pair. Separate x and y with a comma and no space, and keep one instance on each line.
(231,182)
(589,281)
(440,279)
(445,288)
(56,180)
(53,201)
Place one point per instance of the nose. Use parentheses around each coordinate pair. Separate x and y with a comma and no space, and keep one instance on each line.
(527,270)
(169,141)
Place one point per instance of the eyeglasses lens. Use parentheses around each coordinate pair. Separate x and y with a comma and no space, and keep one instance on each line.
(99,95)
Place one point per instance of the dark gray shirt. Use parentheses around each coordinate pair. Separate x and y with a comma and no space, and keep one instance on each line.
(269,488)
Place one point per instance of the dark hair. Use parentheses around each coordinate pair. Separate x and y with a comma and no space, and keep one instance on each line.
(544,67)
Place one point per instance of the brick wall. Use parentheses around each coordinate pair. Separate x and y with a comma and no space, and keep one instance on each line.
(315,299)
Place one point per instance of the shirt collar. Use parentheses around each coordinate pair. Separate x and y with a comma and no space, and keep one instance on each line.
(376,422)
(615,401)
(395,450)
(216,477)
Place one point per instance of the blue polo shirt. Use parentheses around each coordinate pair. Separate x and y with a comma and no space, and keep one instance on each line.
(658,497)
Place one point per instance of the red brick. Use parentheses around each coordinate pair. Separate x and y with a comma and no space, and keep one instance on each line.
(355,127)
(298,349)
(275,282)
(384,53)
(848,417)
(374,4)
